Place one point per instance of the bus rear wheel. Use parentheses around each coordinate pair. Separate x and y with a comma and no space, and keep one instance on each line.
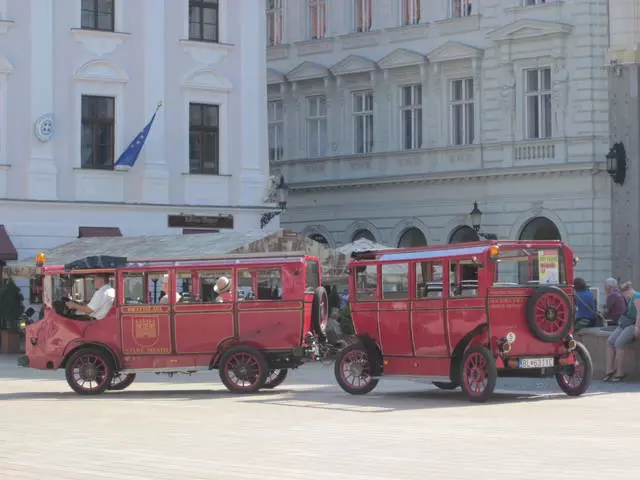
(120,381)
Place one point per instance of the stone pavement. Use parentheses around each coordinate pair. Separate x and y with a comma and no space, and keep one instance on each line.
(190,428)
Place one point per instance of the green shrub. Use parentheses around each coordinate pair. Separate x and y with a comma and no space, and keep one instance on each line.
(346,324)
(11,306)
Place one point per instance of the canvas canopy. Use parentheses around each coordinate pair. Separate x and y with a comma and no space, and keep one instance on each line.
(183,247)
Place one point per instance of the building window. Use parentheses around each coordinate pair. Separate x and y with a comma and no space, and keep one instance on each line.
(316,126)
(461,8)
(318,18)
(204,20)
(538,102)
(275,22)
(98,138)
(363,122)
(462,112)
(276,130)
(411,117)
(527,3)
(362,15)
(97,15)
(204,138)
(410,12)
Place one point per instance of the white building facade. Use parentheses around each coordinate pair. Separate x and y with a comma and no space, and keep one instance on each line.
(390,118)
(79,79)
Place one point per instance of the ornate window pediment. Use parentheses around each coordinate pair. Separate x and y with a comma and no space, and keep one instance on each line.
(101,71)
(526,29)
(308,71)
(274,76)
(353,64)
(207,79)
(401,57)
(454,51)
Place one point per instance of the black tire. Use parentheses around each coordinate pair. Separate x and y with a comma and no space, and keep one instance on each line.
(89,365)
(486,369)
(273,381)
(446,385)
(320,312)
(245,364)
(564,382)
(563,302)
(354,351)
(120,382)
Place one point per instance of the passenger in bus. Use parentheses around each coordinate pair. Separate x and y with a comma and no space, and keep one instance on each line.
(222,290)
(165,288)
(101,302)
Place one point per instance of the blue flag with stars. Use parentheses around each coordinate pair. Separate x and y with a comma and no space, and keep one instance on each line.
(130,155)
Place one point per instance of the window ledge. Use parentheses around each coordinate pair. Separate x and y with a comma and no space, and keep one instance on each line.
(278,52)
(99,171)
(206,53)
(458,24)
(540,6)
(310,47)
(5,166)
(360,39)
(188,174)
(403,33)
(99,42)
(5,25)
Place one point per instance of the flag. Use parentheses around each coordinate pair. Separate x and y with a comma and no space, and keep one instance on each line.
(130,155)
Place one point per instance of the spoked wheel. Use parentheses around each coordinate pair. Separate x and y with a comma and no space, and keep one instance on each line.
(446,385)
(275,377)
(578,382)
(352,370)
(320,312)
(243,369)
(478,374)
(89,371)
(120,381)
(549,312)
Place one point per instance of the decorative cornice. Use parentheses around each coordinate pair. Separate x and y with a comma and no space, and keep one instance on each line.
(592,168)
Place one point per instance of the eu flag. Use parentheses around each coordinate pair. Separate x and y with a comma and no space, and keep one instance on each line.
(130,155)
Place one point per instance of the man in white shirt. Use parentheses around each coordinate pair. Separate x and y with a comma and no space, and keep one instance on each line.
(101,302)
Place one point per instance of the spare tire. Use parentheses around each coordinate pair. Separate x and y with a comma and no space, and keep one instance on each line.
(549,314)
(320,312)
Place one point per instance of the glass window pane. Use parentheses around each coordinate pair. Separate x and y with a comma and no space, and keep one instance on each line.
(532,116)
(194,14)
(456,90)
(210,32)
(546,79)
(210,114)
(105,21)
(395,281)
(418,142)
(366,283)
(469,123)
(194,30)
(546,108)
(105,6)
(195,114)
(312,106)
(210,15)
(469,89)
(322,141)
(88,19)
(417,97)
(369,102)
(407,127)
(532,81)
(195,149)
(406,96)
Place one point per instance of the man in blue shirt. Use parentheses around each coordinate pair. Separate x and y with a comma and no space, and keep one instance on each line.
(586,308)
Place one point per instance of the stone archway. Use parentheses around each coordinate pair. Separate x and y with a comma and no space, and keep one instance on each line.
(412,237)
(540,228)
(463,234)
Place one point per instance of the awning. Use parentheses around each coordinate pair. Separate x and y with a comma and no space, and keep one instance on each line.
(84,232)
(7,251)
(182,247)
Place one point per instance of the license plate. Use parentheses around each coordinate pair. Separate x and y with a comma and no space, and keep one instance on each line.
(535,362)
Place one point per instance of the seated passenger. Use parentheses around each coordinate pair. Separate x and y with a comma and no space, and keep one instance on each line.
(101,302)
(585,303)
(222,290)
(165,288)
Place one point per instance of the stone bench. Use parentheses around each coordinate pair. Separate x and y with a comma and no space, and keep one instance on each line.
(595,339)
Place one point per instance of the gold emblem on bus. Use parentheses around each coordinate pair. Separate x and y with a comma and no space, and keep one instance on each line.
(145,330)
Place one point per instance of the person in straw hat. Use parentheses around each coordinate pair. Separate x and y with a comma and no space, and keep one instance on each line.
(222,290)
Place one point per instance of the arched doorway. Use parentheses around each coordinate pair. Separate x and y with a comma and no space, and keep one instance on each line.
(464,234)
(540,228)
(316,237)
(412,237)
(363,233)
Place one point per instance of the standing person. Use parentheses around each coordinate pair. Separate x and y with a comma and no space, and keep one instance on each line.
(623,336)
(616,304)
(586,309)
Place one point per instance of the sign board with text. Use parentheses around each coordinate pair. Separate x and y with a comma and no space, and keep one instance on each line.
(200,221)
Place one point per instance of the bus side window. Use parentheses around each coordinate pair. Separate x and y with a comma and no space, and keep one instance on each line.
(366,283)
(428,280)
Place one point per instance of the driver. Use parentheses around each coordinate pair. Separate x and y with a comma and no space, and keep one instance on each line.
(101,302)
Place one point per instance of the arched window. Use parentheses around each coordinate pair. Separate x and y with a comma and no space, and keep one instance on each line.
(316,237)
(540,228)
(412,237)
(464,234)
(363,233)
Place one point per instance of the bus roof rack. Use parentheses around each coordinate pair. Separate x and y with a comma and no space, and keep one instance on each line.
(96,262)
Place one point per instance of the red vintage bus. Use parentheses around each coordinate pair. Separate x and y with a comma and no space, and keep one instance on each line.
(463,315)
(168,317)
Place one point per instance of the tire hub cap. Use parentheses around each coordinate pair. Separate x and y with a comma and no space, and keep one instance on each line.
(88,372)
(551,314)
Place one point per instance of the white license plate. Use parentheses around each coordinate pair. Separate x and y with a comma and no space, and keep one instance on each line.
(535,362)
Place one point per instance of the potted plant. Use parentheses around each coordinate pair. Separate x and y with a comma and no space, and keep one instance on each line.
(11,307)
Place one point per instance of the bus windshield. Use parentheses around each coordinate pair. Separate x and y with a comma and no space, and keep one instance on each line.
(530,266)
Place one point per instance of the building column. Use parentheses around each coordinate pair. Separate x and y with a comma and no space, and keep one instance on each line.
(156,175)
(42,173)
(253,168)
(624,124)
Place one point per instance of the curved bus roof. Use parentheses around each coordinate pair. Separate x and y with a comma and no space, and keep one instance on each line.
(450,250)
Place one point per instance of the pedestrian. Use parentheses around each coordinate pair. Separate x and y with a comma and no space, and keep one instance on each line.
(616,304)
(585,302)
(623,336)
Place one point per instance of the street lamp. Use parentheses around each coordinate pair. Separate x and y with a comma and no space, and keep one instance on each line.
(283,194)
(476,222)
